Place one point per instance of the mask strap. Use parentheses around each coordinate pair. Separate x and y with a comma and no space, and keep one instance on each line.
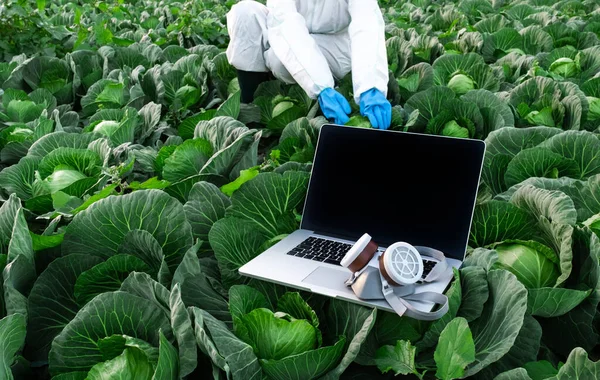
(402,307)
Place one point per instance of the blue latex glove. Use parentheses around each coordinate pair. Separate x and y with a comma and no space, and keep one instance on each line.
(334,106)
(377,108)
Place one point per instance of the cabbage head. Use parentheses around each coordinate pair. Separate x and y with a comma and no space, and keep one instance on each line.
(541,118)
(106,127)
(534,264)
(359,121)
(565,67)
(594,113)
(281,108)
(271,333)
(63,177)
(453,129)
(461,84)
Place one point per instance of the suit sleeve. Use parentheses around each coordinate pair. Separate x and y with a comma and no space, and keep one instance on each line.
(296,49)
(367,39)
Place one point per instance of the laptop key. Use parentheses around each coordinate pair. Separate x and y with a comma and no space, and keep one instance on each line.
(331,261)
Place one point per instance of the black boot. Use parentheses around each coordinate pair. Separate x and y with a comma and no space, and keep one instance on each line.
(249,81)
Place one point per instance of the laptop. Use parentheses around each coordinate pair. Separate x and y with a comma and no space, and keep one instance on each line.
(395,186)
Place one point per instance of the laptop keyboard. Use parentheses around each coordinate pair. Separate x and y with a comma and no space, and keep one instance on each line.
(317,249)
(332,252)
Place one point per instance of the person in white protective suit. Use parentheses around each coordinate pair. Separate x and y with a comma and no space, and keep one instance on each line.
(312,43)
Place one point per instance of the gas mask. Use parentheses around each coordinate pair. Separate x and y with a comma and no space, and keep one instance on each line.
(394,274)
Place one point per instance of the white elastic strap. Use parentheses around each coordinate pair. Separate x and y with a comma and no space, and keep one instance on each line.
(402,307)
(440,268)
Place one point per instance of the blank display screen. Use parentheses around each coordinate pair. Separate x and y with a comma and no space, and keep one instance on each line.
(395,186)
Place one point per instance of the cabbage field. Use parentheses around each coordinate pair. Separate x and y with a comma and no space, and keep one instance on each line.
(134,184)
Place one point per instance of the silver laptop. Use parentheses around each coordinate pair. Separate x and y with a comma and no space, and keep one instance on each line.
(395,186)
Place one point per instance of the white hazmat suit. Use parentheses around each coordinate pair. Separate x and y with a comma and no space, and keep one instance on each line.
(311,42)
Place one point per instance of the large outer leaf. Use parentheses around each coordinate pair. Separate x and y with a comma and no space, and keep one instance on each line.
(142,245)
(505,143)
(355,323)
(187,160)
(170,303)
(494,169)
(578,324)
(198,290)
(19,178)
(534,89)
(447,66)
(306,365)
(399,358)
(230,107)
(496,221)
(429,103)
(206,345)
(578,366)
(19,272)
(539,162)
(205,206)
(581,146)
(187,126)
(239,155)
(189,266)
(415,79)
(106,276)
(487,99)
(560,238)
(52,302)
(52,74)
(181,189)
(585,196)
(100,229)
(235,242)
(268,201)
(48,143)
(243,299)
(511,141)
(554,205)
(293,304)
(132,364)
(535,39)
(2,305)
(184,335)
(475,292)
(12,338)
(220,131)
(239,356)
(75,348)
(455,349)
(552,302)
(82,160)
(271,337)
(560,184)
(524,350)
(167,367)
(514,374)
(495,331)
(389,328)
(497,44)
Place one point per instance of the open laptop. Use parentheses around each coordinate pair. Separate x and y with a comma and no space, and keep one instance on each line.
(395,186)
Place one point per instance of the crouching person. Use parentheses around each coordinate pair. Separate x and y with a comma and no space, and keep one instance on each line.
(312,43)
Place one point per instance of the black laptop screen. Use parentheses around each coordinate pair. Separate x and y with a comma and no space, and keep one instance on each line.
(395,186)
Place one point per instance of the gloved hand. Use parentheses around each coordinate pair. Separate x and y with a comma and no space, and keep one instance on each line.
(334,106)
(377,108)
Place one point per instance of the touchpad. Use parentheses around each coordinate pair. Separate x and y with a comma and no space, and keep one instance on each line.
(328,278)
